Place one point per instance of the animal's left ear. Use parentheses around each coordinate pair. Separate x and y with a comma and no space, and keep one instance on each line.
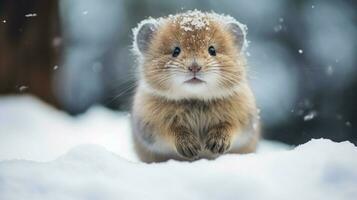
(239,33)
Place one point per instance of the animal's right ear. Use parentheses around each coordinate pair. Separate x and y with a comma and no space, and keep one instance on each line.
(143,35)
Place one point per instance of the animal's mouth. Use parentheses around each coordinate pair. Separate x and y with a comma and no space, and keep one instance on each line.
(194,80)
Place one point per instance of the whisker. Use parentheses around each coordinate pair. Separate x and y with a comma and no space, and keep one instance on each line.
(122,92)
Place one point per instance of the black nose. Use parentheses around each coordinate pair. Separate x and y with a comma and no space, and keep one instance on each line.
(194,67)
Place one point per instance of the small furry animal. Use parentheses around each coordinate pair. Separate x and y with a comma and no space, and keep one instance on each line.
(193,99)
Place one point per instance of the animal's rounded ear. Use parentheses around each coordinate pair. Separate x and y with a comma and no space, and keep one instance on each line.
(239,32)
(143,35)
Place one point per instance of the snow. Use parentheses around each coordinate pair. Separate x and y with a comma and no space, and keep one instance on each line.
(32,130)
(47,154)
(278,28)
(23,88)
(329,70)
(192,20)
(348,123)
(311,115)
(31,15)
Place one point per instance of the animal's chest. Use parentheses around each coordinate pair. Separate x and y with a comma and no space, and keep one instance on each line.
(199,116)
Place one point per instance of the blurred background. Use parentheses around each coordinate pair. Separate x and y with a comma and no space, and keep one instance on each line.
(302,57)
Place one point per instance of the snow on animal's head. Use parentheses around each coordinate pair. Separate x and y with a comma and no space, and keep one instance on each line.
(191,55)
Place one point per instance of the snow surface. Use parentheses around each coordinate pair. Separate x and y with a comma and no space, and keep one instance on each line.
(47,154)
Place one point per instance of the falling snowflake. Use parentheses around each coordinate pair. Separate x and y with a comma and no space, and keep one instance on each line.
(329,70)
(348,123)
(311,115)
(339,116)
(31,15)
(278,28)
(56,41)
(23,88)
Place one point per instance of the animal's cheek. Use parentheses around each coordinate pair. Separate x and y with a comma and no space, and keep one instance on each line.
(221,58)
(206,56)
(184,56)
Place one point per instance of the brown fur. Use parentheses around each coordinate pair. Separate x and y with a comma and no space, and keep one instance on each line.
(168,36)
(189,128)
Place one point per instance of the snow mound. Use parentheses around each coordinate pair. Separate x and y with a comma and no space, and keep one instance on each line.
(60,164)
(32,130)
(320,169)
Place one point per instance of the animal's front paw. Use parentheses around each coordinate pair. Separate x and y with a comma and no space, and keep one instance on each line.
(217,143)
(188,146)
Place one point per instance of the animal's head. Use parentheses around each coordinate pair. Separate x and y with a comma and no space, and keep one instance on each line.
(191,55)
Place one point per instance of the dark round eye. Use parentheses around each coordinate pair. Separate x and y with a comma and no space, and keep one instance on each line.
(212,51)
(176,52)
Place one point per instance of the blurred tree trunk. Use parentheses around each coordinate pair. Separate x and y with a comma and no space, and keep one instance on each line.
(29,46)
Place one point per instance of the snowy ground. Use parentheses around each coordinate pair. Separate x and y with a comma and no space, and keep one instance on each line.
(46,154)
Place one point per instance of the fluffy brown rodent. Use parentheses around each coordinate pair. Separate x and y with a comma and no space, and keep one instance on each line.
(193,99)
